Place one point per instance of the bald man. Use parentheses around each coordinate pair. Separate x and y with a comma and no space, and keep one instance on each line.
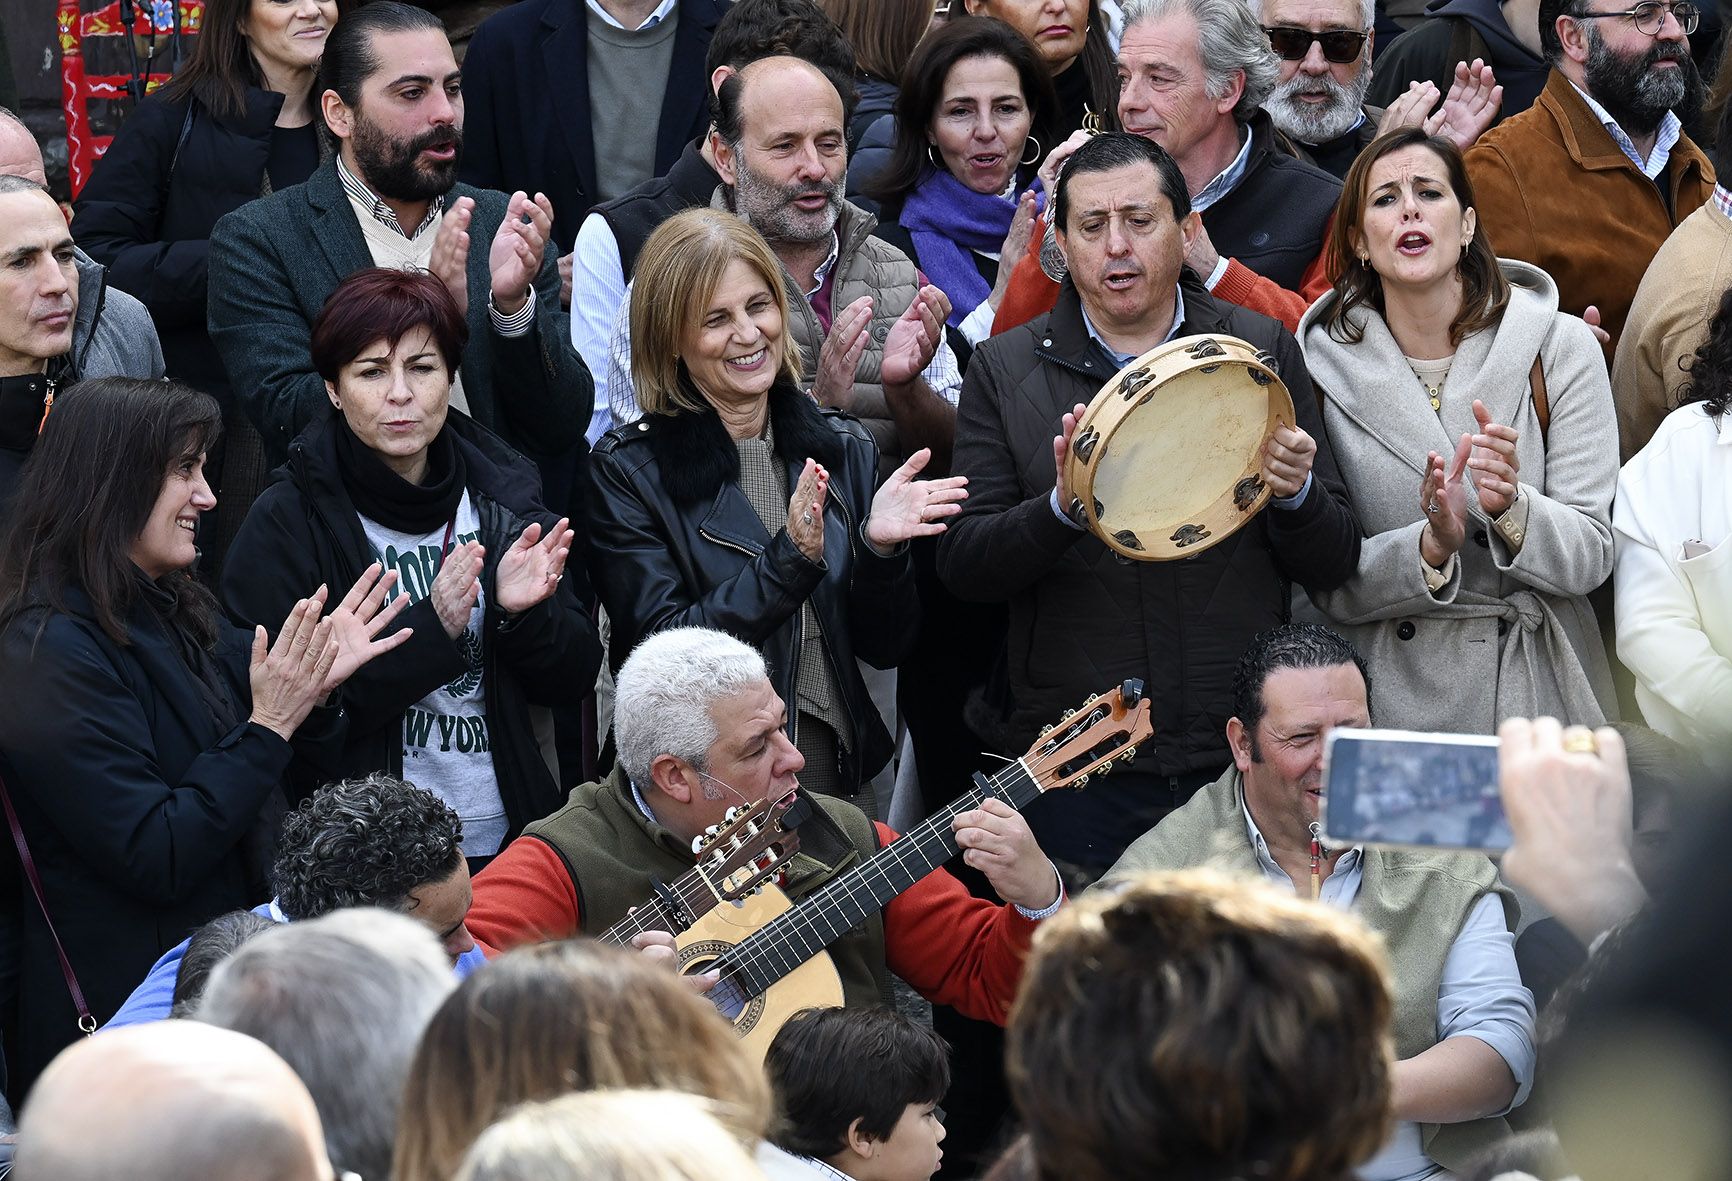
(168,1102)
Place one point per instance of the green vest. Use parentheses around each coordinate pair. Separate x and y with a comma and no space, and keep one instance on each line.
(1416,903)
(614,855)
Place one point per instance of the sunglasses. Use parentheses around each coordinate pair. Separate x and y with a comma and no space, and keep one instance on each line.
(1340,46)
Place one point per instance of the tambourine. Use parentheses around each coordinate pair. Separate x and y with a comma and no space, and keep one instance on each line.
(1167,460)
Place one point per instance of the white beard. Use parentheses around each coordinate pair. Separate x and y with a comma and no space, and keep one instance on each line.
(1312,124)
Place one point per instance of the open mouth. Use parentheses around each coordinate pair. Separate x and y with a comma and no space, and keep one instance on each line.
(1413,244)
(748,362)
(1120,280)
(812,202)
(986,161)
(190,524)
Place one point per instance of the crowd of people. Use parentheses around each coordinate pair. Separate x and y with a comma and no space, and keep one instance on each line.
(536,578)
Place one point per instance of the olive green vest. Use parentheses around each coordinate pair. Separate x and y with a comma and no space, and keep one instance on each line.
(615,854)
(1416,902)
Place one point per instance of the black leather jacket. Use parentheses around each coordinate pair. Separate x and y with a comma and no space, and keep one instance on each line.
(675,543)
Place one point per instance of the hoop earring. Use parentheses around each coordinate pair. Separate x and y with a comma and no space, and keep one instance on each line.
(1036,143)
(936,162)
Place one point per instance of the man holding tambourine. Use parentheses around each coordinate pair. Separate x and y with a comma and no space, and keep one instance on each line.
(1147,552)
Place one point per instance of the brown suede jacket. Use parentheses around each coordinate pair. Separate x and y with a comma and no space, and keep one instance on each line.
(1553,188)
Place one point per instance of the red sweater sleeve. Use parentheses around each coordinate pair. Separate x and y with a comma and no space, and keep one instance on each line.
(1029,293)
(1241,285)
(525,896)
(953,948)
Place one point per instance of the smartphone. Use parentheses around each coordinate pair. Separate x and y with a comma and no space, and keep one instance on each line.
(1412,790)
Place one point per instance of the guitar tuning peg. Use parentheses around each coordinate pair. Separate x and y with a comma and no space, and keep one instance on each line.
(1130,756)
(1082,781)
(1045,730)
(1104,768)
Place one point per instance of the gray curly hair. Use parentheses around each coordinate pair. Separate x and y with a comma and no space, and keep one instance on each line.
(1230,41)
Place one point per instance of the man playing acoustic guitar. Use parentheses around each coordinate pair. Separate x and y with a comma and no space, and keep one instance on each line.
(699,730)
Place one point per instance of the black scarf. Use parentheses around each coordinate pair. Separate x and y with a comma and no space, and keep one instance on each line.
(381,495)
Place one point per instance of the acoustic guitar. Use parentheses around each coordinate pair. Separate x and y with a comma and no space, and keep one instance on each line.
(735,860)
(771,954)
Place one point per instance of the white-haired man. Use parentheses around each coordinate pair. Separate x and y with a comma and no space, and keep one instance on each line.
(344,999)
(700,729)
(1325,52)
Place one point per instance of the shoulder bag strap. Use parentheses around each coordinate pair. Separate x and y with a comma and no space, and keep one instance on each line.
(86,1022)
(1542,405)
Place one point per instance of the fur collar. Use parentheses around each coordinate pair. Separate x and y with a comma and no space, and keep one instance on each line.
(696,457)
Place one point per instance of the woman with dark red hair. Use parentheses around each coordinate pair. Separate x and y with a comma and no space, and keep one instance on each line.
(395,474)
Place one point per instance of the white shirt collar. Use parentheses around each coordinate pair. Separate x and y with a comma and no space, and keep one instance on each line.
(1229,177)
(655,18)
(1665,139)
(825,267)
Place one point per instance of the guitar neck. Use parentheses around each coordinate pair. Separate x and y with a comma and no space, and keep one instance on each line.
(685,901)
(843,903)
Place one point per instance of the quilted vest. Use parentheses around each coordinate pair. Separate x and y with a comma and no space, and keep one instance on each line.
(1416,902)
(615,855)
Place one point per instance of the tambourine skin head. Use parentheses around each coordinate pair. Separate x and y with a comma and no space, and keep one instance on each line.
(1167,460)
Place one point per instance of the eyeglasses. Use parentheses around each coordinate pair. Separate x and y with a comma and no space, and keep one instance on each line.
(1650,16)
(1339,45)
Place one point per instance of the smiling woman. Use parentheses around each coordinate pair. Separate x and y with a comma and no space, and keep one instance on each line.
(143,739)
(1469,420)
(736,503)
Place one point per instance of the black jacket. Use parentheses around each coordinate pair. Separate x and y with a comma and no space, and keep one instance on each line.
(526,103)
(675,543)
(1459,31)
(1083,619)
(173,170)
(304,530)
(635,216)
(1275,219)
(141,809)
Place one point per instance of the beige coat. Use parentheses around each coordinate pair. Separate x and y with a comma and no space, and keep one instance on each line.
(1511,633)
(1668,321)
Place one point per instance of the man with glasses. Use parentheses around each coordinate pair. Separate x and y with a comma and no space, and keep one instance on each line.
(1591,180)
(1325,52)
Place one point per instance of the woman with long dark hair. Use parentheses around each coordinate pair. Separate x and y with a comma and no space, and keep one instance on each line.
(392,473)
(1472,423)
(975,109)
(1072,36)
(1672,522)
(142,738)
(238,121)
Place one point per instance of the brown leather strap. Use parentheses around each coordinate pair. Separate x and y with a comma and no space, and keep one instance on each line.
(86,1022)
(1542,405)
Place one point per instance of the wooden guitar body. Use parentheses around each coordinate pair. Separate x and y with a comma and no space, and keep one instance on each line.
(815,984)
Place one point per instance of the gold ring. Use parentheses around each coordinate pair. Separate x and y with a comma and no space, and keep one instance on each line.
(1579,740)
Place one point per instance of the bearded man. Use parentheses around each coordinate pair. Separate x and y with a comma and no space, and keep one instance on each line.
(392,98)
(1589,181)
(1319,102)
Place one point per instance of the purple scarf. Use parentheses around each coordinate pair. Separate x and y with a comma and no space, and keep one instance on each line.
(948,221)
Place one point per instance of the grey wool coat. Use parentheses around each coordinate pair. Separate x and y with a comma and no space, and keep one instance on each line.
(1511,634)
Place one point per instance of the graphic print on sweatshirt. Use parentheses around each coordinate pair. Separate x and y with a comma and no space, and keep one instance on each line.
(446,746)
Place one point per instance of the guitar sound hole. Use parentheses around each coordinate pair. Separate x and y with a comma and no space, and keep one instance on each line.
(727,995)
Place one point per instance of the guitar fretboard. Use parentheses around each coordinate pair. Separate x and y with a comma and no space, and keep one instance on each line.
(843,903)
(692,897)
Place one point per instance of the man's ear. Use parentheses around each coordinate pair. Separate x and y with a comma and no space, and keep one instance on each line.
(673,778)
(724,157)
(1190,227)
(1239,739)
(721,74)
(338,117)
(1236,87)
(1573,37)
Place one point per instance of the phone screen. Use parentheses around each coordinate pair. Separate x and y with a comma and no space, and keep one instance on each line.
(1401,787)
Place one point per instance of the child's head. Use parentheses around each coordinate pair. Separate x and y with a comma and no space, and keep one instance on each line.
(859,1089)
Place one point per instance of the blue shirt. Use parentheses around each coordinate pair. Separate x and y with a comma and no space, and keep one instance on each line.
(153,999)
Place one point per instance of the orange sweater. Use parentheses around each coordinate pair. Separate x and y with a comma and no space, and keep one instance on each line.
(951,947)
(1030,293)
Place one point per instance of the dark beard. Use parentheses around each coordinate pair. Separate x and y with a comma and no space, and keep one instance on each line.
(394,169)
(1634,93)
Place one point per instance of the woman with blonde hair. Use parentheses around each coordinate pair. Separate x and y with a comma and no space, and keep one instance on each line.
(736,503)
(610,1136)
(545,1021)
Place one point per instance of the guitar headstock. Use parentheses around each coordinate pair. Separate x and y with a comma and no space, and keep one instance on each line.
(1106,729)
(751,845)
